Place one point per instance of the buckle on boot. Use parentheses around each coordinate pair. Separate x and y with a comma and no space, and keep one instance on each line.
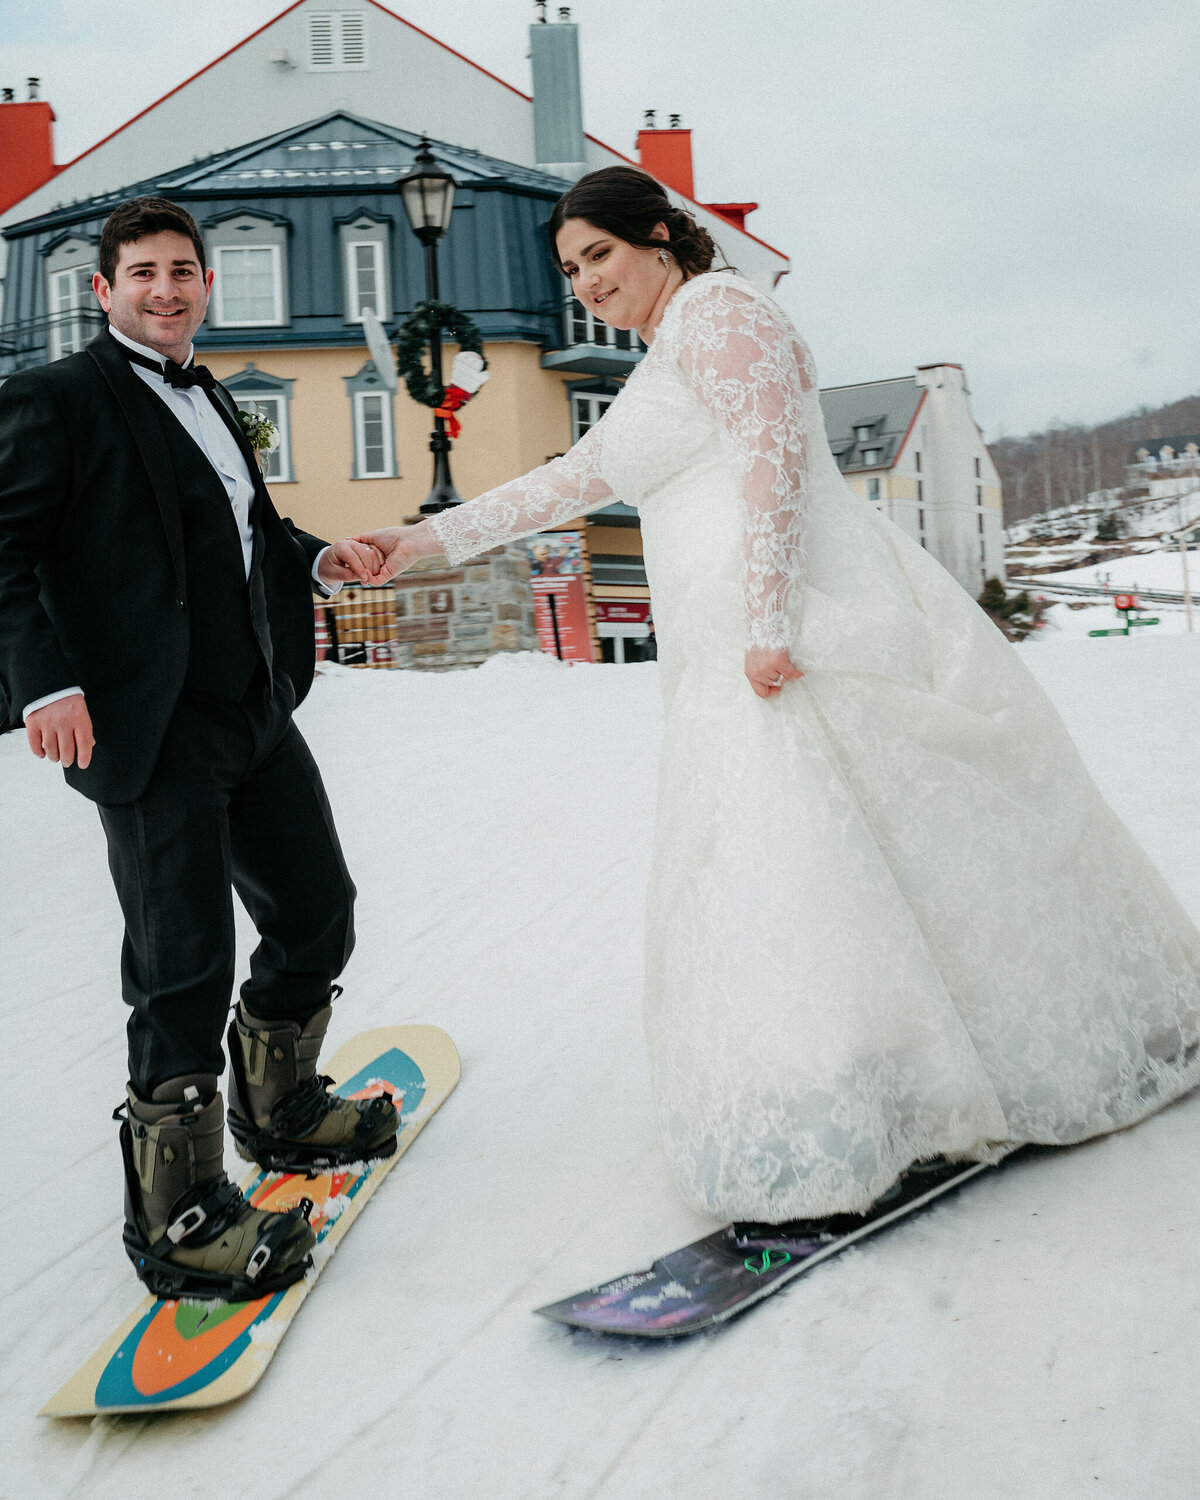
(260,1258)
(187,1222)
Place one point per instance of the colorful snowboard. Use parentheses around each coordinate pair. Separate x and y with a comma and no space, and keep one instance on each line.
(716,1278)
(182,1354)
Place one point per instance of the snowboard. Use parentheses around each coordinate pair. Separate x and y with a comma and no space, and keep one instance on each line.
(174,1354)
(717,1277)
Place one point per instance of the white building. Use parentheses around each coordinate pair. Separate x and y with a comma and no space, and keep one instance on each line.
(912,447)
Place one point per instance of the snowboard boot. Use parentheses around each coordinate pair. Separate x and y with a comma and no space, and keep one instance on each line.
(281,1111)
(188,1229)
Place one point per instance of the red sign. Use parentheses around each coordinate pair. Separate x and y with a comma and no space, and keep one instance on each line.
(1127,601)
(564,629)
(623,611)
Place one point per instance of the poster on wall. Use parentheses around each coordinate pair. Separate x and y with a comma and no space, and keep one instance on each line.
(556,566)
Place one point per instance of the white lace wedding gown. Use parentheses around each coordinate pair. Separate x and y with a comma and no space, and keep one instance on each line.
(890,914)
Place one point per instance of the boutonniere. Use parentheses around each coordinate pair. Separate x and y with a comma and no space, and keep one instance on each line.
(261,434)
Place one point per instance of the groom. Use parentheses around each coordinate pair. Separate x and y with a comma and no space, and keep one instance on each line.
(156,633)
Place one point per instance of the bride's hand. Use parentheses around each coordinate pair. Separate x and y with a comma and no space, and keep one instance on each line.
(767,671)
(398,547)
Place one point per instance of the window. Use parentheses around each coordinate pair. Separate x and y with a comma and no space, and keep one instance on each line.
(921,494)
(365,241)
(586,411)
(978,472)
(364,276)
(979,494)
(249,286)
(373,453)
(337,41)
(863,434)
(274,408)
(584,328)
(270,397)
(872,455)
(980,523)
(917,458)
(872,489)
(70,298)
(921,525)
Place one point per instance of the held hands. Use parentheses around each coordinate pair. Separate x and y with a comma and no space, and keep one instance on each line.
(351,561)
(768,670)
(62,732)
(398,547)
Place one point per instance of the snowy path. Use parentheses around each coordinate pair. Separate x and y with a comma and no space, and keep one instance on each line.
(1035,1338)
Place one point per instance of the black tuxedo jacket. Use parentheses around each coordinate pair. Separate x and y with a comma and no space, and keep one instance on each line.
(93,586)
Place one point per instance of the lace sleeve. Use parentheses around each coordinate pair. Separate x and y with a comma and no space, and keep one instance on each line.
(565,487)
(747,366)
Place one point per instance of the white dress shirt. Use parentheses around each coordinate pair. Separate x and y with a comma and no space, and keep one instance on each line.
(199,419)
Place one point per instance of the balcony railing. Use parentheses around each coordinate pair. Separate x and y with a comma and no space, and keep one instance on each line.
(36,341)
(591,347)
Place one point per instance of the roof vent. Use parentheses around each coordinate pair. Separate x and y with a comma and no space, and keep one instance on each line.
(9,96)
(564,12)
(650,113)
(337,41)
(675,121)
(33,87)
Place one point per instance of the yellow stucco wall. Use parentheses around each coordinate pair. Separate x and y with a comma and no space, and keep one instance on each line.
(519,419)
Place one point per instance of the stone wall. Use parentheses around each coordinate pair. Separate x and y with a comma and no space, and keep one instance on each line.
(458,617)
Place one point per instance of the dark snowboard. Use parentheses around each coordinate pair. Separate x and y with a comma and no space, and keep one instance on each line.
(718,1277)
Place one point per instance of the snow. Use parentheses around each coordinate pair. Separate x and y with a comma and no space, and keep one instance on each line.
(1146,570)
(1035,1337)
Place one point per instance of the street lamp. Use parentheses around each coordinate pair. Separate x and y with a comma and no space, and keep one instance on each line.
(428,196)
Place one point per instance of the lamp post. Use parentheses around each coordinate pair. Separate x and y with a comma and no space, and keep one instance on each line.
(428,196)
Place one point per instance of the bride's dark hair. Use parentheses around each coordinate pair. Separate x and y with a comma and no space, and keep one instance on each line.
(628,203)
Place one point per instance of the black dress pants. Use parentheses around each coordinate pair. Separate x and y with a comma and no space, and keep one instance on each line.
(235,803)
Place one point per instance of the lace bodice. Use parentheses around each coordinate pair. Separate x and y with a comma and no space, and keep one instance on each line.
(748,388)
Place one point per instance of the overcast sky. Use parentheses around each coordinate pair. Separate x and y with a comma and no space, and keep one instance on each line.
(1011,185)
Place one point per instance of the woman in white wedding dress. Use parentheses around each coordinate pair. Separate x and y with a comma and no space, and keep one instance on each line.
(890,916)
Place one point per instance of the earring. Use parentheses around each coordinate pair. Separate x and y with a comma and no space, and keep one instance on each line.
(665,258)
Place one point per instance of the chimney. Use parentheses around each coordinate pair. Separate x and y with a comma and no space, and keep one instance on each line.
(26,147)
(557,98)
(667,154)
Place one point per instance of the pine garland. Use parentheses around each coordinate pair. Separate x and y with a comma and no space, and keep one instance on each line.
(412,340)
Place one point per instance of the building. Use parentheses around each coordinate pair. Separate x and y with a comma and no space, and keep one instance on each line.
(1164,467)
(294,192)
(911,447)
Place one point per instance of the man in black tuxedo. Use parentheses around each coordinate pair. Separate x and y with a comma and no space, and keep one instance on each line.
(156,633)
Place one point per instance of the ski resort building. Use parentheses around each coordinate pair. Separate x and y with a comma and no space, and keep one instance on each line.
(912,448)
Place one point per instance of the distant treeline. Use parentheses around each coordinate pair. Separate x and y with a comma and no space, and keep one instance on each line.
(1062,466)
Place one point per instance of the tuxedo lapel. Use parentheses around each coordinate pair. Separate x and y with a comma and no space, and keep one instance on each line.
(137,405)
(227,409)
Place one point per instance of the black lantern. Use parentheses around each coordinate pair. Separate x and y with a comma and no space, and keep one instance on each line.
(428,196)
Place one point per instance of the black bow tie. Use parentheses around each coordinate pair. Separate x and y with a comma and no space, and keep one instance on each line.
(181,377)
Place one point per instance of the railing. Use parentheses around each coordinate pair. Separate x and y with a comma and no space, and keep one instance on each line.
(36,341)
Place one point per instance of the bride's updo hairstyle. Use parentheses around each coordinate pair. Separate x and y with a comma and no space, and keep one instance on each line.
(628,204)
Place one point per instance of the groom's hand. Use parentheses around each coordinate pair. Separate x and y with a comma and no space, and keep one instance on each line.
(62,732)
(350,561)
(398,547)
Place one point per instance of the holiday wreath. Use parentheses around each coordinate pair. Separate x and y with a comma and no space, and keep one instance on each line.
(413,339)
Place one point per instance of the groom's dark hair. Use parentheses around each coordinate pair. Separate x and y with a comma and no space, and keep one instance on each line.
(141,217)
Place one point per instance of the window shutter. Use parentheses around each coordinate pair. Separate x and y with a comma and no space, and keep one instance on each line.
(354,39)
(320,40)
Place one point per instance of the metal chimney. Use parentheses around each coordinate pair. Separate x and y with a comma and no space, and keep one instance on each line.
(558,138)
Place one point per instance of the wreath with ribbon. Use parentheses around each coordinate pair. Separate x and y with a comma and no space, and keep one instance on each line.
(412,340)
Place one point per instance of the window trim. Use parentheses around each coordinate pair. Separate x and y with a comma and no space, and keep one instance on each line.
(354,312)
(64,323)
(357,402)
(577,397)
(220,320)
(284,427)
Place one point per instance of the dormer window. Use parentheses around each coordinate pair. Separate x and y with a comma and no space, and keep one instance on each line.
(872,456)
(248,254)
(864,432)
(365,268)
(337,41)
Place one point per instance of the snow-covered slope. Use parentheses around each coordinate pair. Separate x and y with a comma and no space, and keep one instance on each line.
(1035,1338)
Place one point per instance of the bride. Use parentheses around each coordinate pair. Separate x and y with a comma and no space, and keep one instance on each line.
(890,916)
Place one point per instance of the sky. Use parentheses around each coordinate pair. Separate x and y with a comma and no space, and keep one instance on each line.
(1011,187)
